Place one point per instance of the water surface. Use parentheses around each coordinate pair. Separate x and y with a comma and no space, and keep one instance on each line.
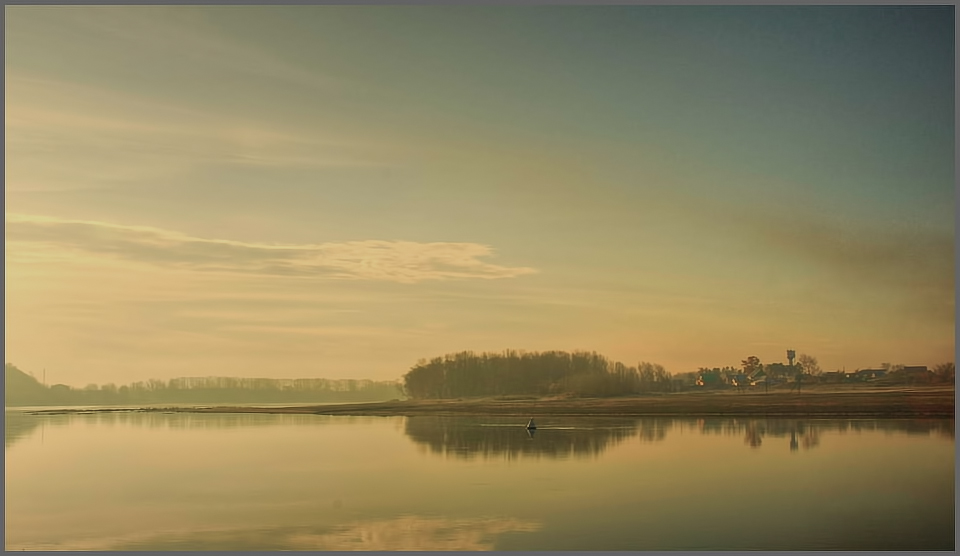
(172,481)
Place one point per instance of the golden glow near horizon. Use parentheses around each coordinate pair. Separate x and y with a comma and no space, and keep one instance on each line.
(319,191)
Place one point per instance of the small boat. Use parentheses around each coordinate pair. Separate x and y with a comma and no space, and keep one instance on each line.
(531,426)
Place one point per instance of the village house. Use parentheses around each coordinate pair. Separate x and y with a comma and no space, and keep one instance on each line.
(918,370)
(869,374)
(834,377)
(914,374)
(779,372)
(710,379)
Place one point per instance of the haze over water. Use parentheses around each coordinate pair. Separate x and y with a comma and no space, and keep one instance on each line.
(159,481)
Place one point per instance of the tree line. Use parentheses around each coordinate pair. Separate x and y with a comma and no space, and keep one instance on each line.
(469,374)
(24,389)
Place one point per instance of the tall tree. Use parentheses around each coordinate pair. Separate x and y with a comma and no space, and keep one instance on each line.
(751,365)
(945,372)
(809,364)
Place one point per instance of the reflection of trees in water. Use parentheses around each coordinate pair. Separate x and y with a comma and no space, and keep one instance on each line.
(805,433)
(185,420)
(921,427)
(754,436)
(16,426)
(178,420)
(19,425)
(468,437)
(465,437)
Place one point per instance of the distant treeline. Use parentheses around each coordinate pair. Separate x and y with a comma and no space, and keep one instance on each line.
(467,374)
(22,389)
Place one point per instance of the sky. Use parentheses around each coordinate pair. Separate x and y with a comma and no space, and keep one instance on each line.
(323,191)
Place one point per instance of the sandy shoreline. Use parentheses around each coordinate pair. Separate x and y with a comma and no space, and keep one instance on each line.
(861,401)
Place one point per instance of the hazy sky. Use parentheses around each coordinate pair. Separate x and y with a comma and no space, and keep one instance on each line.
(339,191)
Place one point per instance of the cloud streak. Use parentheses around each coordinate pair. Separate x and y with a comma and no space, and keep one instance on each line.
(396,261)
(892,255)
(909,267)
(65,136)
(192,35)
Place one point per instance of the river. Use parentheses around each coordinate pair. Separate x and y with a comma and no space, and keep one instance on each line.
(181,481)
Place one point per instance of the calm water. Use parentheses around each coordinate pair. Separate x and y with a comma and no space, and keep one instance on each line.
(155,481)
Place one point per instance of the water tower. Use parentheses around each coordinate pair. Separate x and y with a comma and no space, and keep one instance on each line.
(791,355)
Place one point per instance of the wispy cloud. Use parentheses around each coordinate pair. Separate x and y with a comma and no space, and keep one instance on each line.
(890,254)
(397,261)
(62,135)
(186,35)
(903,266)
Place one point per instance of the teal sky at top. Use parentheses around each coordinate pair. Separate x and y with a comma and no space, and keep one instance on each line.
(842,114)
(630,146)
(843,109)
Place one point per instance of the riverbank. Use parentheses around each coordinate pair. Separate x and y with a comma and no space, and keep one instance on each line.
(817,401)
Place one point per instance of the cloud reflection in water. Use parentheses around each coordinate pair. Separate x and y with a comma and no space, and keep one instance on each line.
(406,532)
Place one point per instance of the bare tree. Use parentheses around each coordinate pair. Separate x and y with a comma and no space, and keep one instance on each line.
(809,364)
(945,372)
(891,368)
(751,365)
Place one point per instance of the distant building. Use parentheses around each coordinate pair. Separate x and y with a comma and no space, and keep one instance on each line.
(918,373)
(833,377)
(870,374)
(916,370)
(710,379)
(781,372)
